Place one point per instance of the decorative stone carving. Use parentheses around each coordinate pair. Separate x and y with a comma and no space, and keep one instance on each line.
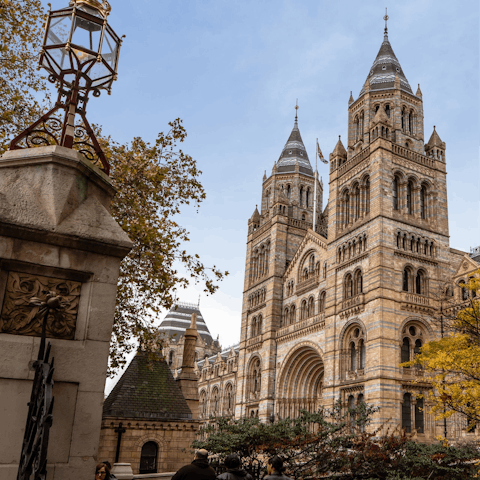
(19,316)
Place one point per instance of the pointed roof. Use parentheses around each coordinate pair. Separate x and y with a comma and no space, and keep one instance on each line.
(148,391)
(293,151)
(256,215)
(339,149)
(435,140)
(178,320)
(384,68)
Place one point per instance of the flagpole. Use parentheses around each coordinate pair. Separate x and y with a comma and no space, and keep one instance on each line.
(315,190)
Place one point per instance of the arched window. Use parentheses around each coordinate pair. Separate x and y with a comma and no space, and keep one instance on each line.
(256,377)
(358,283)
(301,196)
(259,325)
(406,280)
(203,401)
(284,320)
(347,208)
(409,197)
(303,311)
(321,306)
(464,291)
(420,283)
(254,327)
(348,289)
(361,347)
(311,307)
(356,194)
(228,399)
(422,202)
(419,420)
(289,192)
(170,358)
(367,195)
(353,357)
(395,193)
(407,412)
(355,350)
(307,198)
(405,357)
(148,458)
(292,314)
(325,270)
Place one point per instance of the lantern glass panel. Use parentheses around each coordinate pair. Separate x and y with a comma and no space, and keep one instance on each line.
(99,70)
(110,49)
(86,34)
(60,57)
(59,30)
(90,10)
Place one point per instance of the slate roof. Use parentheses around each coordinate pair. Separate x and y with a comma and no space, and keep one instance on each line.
(178,320)
(384,69)
(147,393)
(294,151)
(475,254)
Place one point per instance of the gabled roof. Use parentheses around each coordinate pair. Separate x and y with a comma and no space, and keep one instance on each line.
(178,320)
(384,68)
(294,151)
(467,265)
(310,237)
(147,391)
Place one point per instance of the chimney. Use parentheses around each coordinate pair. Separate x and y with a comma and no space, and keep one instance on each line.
(187,378)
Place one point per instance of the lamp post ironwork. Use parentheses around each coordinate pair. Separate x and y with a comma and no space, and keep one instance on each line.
(80,52)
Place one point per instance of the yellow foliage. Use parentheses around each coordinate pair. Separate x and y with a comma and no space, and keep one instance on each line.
(452,364)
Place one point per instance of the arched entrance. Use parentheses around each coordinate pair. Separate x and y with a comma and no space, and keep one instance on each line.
(300,383)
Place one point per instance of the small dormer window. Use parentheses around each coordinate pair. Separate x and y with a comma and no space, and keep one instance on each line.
(398,69)
(290,152)
(384,67)
(301,154)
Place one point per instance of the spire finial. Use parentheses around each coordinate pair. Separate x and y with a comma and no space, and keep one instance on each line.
(386,28)
(296,110)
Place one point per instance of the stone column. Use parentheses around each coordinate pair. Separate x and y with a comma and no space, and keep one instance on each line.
(187,378)
(56,234)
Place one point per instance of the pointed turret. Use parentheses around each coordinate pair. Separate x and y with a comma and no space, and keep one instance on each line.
(435,148)
(435,140)
(264,175)
(350,100)
(384,68)
(255,218)
(293,151)
(339,150)
(419,92)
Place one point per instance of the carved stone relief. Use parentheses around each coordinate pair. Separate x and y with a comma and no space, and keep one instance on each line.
(19,316)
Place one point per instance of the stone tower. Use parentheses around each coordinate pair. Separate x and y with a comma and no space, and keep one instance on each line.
(388,249)
(274,236)
(330,314)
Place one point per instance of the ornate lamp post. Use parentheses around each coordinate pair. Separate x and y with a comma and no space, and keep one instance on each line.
(80,52)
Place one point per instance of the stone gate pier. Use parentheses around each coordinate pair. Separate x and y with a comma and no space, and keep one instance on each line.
(56,235)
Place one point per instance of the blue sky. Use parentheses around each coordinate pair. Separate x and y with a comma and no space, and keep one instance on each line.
(232,71)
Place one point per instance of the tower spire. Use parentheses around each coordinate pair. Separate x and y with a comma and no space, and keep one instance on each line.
(296,111)
(386,28)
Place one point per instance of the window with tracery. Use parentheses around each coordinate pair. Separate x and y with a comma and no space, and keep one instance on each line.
(303,310)
(355,349)
(214,402)
(412,341)
(292,314)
